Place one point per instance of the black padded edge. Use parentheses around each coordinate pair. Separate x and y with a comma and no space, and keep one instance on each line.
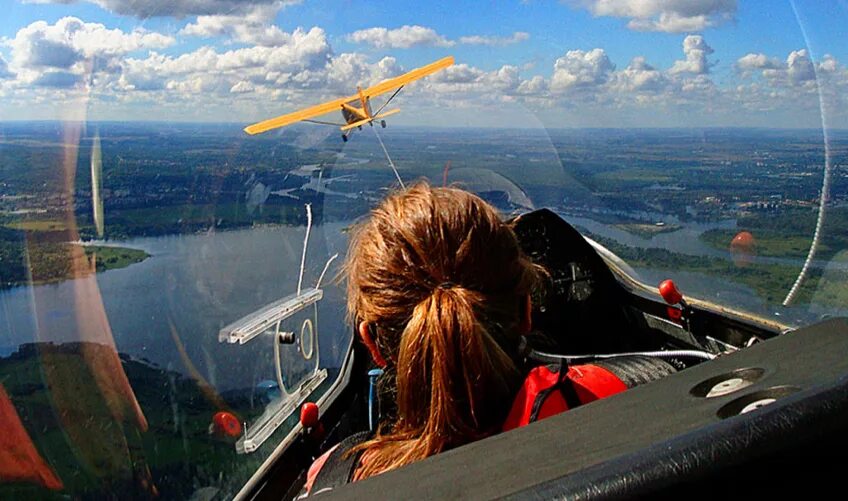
(653,438)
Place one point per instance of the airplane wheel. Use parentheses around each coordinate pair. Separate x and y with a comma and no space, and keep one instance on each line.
(360,127)
(344,137)
(383,124)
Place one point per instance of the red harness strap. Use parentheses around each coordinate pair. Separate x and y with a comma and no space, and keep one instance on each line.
(546,392)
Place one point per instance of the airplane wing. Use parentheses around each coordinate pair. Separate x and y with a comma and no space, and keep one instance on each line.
(418,73)
(336,105)
(297,116)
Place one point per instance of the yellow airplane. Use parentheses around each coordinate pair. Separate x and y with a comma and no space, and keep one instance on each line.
(355,117)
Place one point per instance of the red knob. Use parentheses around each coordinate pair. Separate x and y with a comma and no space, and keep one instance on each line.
(309,415)
(669,292)
(226,424)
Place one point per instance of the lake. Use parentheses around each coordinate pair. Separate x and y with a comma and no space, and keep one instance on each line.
(196,283)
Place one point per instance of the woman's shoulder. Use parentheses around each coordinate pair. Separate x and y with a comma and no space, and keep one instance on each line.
(335,467)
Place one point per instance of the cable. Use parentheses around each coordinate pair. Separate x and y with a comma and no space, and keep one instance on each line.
(392,164)
(553,357)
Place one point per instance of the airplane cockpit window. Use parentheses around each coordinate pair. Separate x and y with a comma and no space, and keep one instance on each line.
(178,181)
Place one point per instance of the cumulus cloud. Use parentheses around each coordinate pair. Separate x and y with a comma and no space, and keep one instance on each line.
(76,48)
(4,69)
(695,51)
(346,70)
(399,38)
(751,61)
(579,69)
(517,37)
(289,69)
(242,87)
(798,70)
(420,36)
(465,79)
(304,51)
(797,83)
(252,27)
(639,76)
(180,8)
(58,79)
(671,16)
(799,66)
(533,86)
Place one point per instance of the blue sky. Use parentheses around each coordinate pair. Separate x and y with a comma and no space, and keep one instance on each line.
(568,63)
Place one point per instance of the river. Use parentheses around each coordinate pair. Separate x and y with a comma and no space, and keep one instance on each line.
(198,283)
(195,283)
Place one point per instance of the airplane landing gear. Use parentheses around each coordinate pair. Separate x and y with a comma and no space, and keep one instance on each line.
(344,137)
(383,124)
(360,127)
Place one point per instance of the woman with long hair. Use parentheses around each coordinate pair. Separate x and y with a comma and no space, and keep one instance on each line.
(439,292)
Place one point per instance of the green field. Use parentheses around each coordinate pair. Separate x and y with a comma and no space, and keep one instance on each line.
(788,234)
(766,243)
(36,225)
(634,176)
(770,282)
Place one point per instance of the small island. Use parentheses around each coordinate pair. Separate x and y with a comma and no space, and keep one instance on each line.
(113,258)
(45,261)
(647,230)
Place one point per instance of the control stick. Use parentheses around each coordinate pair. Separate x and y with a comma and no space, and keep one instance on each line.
(672,295)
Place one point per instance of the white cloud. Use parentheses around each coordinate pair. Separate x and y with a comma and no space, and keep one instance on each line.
(345,71)
(798,70)
(796,86)
(400,38)
(4,69)
(253,27)
(458,73)
(579,69)
(179,8)
(695,50)
(76,49)
(799,66)
(829,64)
(671,16)
(281,71)
(421,36)
(752,61)
(517,37)
(242,87)
(304,53)
(58,79)
(639,76)
(69,40)
(467,83)
(534,86)
(698,84)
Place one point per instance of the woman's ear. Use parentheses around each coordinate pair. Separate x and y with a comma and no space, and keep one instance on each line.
(526,323)
(369,342)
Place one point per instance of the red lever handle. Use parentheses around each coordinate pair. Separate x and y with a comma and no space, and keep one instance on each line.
(669,292)
(309,415)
